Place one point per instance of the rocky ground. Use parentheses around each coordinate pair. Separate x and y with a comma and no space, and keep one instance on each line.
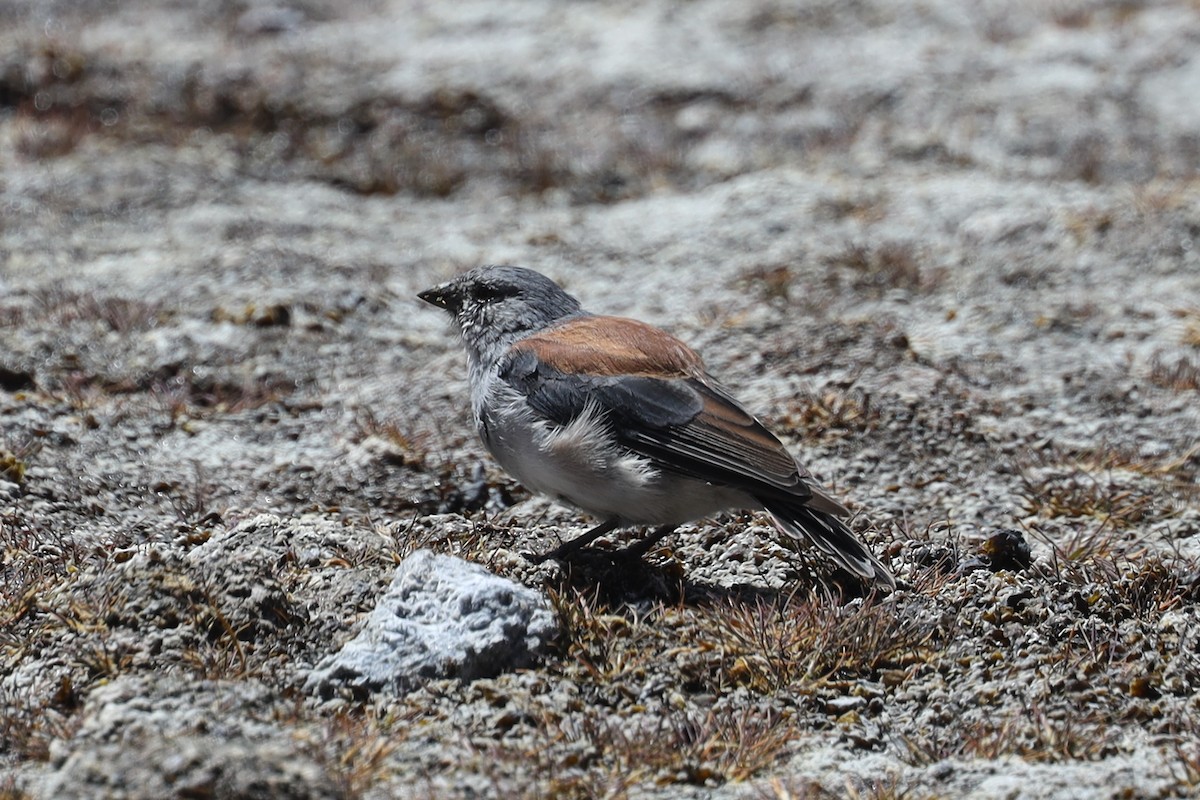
(949,251)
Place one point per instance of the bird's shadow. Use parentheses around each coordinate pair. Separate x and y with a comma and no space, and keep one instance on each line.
(617,578)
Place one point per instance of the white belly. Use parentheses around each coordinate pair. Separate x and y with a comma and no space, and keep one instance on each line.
(582,465)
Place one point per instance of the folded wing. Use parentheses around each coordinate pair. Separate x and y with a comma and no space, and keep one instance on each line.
(659,401)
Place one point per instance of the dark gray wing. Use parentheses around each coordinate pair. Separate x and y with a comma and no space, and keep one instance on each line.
(688,425)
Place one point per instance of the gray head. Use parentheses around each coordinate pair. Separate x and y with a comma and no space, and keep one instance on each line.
(492,306)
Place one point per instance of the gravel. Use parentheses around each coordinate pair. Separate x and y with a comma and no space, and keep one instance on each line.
(947,251)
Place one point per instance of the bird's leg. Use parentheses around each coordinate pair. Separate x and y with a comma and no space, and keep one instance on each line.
(567,548)
(642,546)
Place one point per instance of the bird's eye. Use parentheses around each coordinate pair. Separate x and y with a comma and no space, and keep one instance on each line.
(488,294)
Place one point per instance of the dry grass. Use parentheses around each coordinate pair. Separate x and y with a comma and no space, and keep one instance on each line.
(1132,584)
(182,393)
(190,498)
(413,448)
(1032,733)
(1088,553)
(9,790)
(828,413)
(1189,325)
(181,390)
(1078,494)
(803,641)
(431,145)
(1180,375)
(891,265)
(34,563)
(606,644)
(1058,485)
(1186,764)
(51,119)
(1097,500)
(772,283)
(51,132)
(220,653)
(764,644)
(63,307)
(1121,571)
(709,649)
(270,315)
(593,756)
(34,559)
(889,788)
(354,748)
(1185,466)
(714,747)
(12,466)
(27,729)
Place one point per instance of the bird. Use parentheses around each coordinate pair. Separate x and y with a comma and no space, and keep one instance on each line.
(623,421)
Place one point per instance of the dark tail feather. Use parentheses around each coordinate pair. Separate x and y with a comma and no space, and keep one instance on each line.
(831,537)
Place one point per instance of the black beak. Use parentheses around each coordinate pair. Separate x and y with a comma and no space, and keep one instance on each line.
(441,296)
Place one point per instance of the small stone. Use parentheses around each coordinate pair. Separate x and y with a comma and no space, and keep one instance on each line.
(16,380)
(1007,549)
(442,617)
(841,705)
